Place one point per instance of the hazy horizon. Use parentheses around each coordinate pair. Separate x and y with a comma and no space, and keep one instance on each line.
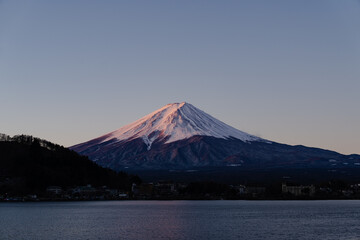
(284,71)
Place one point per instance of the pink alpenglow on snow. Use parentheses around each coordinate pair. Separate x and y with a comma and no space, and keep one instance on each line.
(176,121)
(181,136)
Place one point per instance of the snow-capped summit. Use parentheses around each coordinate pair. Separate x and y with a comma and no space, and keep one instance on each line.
(176,121)
(181,136)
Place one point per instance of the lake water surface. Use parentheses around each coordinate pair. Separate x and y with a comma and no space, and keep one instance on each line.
(271,220)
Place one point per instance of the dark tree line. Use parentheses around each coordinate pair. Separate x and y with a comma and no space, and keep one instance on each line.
(29,165)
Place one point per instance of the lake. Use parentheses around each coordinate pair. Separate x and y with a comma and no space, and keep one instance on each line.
(138,220)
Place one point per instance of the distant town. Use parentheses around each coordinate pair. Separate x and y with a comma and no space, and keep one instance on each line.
(167,190)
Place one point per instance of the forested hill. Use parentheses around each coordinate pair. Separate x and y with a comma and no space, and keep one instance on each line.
(29,165)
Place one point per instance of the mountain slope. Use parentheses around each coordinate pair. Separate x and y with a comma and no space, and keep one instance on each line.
(171,123)
(180,136)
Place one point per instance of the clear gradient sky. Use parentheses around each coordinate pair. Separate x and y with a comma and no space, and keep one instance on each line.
(288,71)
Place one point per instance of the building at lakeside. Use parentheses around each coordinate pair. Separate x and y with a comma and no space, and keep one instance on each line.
(54,190)
(299,190)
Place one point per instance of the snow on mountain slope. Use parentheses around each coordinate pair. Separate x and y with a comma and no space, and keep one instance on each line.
(180,136)
(175,122)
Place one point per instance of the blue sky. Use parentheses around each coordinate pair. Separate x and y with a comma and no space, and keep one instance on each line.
(287,71)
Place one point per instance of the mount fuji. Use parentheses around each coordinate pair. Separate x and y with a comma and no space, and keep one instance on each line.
(181,137)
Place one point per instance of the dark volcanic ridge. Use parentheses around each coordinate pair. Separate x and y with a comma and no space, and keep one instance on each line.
(181,137)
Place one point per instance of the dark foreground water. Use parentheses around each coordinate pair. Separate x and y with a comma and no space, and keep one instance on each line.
(181,220)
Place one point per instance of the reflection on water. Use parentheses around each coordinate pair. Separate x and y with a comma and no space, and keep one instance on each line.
(181,220)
